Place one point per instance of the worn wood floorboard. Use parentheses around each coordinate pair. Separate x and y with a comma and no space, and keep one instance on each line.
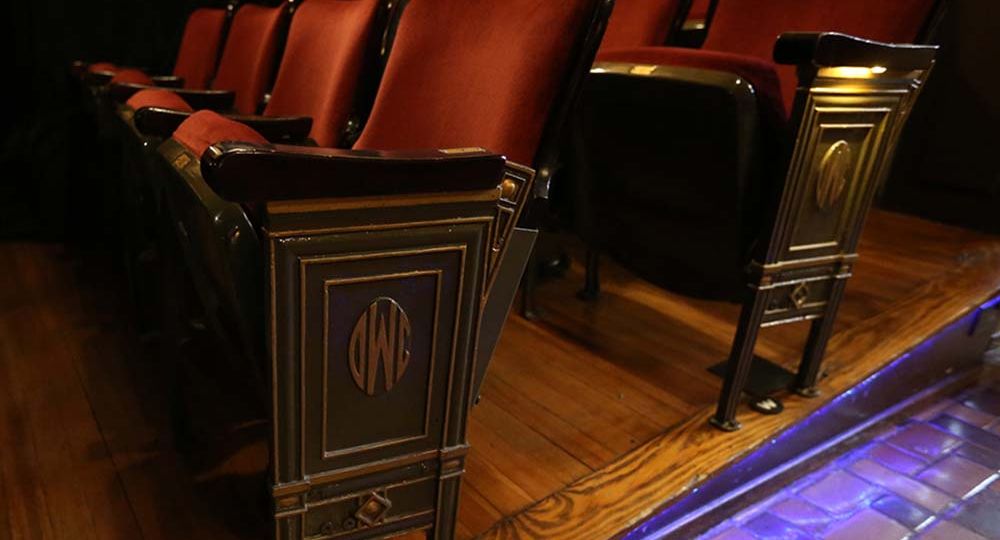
(589,417)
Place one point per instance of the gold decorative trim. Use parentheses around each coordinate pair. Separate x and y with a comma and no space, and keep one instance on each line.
(832,176)
(303,265)
(381,227)
(329,454)
(372,345)
(351,203)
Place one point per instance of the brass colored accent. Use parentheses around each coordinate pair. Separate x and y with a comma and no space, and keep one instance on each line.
(328,454)
(833,175)
(320,502)
(799,295)
(373,509)
(349,203)
(642,69)
(182,161)
(508,189)
(380,227)
(466,150)
(373,343)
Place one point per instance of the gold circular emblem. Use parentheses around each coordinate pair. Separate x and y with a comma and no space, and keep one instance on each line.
(380,346)
(833,174)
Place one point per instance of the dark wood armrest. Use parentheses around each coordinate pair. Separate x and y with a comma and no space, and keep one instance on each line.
(97,78)
(216,100)
(242,172)
(158,123)
(168,81)
(161,123)
(832,49)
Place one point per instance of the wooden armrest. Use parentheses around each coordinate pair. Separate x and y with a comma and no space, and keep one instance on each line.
(168,81)
(242,172)
(832,49)
(161,123)
(98,78)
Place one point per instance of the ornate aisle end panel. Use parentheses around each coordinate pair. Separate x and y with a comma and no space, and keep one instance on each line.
(849,119)
(374,326)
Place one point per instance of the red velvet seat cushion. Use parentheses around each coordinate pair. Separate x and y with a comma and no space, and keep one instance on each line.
(248,60)
(205,128)
(199,50)
(103,67)
(131,76)
(639,23)
(324,58)
(474,73)
(762,74)
(750,27)
(164,99)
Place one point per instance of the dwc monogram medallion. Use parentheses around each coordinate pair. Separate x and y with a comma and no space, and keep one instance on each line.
(380,346)
(834,174)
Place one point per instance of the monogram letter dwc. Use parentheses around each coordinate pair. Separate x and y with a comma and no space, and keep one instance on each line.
(380,343)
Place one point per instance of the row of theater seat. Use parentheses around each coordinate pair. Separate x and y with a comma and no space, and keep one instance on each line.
(416,90)
(391,132)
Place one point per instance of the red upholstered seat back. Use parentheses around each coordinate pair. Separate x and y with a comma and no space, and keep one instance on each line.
(751,26)
(323,61)
(475,73)
(640,23)
(699,10)
(200,44)
(248,61)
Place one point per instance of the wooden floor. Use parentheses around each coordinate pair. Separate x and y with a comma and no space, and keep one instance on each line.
(589,418)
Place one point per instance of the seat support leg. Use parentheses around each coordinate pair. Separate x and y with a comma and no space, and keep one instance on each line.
(592,279)
(740,360)
(819,335)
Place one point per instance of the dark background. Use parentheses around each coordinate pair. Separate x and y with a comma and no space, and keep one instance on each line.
(42,141)
(948,166)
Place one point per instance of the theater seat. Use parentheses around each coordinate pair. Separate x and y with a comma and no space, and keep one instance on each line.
(640,23)
(762,74)
(414,227)
(333,52)
(690,161)
(250,56)
(332,65)
(201,46)
(198,54)
(246,69)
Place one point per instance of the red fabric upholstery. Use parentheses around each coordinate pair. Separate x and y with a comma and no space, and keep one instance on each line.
(762,74)
(248,60)
(474,73)
(205,128)
(131,76)
(99,67)
(324,58)
(199,49)
(639,23)
(699,10)
(165,99)
(750,26)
